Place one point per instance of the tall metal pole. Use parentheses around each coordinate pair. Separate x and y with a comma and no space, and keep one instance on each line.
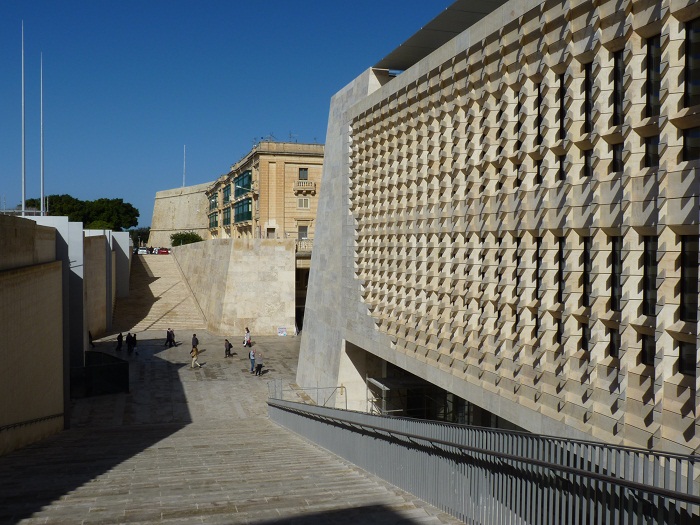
(23,161)
(43,211)
(184,163)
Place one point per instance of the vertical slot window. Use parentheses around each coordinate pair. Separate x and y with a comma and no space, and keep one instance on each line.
(588,97)
(692,63)
(650,273)
(560,269)
(616,165)
(614,343)
(588,163)
(616,274)
(562,106)
(648,349)
(618,87)
(651,152)
(586,275)
(689,278)
(653,87)
(539,114)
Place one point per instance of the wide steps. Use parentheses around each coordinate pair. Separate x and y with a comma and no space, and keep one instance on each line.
(158,298)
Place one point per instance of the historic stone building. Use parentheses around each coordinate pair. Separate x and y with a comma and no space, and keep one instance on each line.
(271,193)
(510,224)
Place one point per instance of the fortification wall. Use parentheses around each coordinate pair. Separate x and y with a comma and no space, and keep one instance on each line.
(179,209)
(31,378)
(242,282)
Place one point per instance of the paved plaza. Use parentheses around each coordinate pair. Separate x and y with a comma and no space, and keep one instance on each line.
(193,446)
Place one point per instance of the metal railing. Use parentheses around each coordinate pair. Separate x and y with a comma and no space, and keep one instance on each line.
(493,476)
(319,396)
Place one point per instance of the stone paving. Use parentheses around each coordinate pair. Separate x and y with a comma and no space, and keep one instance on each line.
(193,446)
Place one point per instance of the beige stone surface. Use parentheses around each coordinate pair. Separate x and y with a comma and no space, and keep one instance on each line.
(31,324)
(242,282)
(176,210)
(95,284)
(433,220)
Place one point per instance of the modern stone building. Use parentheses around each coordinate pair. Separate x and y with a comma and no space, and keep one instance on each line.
(271,193)
(508,226)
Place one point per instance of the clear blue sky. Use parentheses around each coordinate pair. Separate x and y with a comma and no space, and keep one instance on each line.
(128,83)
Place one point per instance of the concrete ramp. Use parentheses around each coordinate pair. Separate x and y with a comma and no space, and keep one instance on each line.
(158,298)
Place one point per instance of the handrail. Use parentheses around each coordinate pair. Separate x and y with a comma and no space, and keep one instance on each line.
(30,421)
(671,494)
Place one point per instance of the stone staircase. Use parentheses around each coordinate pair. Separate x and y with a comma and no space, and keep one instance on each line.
(158,298)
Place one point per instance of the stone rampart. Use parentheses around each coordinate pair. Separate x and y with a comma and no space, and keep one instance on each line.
(177,210)
(242,282)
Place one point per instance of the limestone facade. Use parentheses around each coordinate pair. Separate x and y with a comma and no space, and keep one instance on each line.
(515,219)
(271,193)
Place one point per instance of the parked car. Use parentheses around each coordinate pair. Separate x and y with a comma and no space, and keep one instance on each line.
(163,251)
(142,251)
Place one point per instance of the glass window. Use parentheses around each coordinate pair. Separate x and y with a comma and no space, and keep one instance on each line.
(588,97)
(303,203)
(691,144)
(243,184)
(303,233)
(651,152)
(539,114)
(692,63)
(653,87)
(650,273)
(648,349)
(303,173)
(618,87)
(616,164)
(562,106)
(587,285)
(227,216)
(213,203)
(213,220)
(689,278)
(560,273)
(616,274)
(243,210)
(227,194)
(615,343)
(687,358)
(585,336)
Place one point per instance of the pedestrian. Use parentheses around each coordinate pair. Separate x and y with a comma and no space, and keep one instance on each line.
(258,363)
(129,343)
(133,340)
(251,355)
(167,337)
(172,338)
(227,348)
(120,340)
(246,338)
(194,353)
(195,342)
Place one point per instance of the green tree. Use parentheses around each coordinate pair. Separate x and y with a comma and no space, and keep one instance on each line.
(112,214)
(180,238)
(139,235)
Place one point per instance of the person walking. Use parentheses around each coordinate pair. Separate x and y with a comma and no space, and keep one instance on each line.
(258,363)
(167,337)
(251,355)
(246,338)
(130,343)
(120,340)
(194,353)
(227,348)
(172,338)
(195,343)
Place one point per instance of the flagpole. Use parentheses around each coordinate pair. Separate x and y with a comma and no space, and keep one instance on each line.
(184,163)
(23,160)
(43,212)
